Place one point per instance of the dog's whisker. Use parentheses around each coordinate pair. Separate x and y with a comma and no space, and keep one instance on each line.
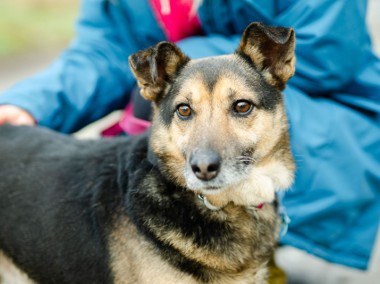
(246,159)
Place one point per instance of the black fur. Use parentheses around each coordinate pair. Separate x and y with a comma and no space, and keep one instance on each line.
(57,198)
(60,198)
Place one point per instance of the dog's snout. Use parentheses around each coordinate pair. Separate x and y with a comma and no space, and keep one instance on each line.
(205,164)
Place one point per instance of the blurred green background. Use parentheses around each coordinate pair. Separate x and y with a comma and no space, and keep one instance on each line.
(30,25)
(34,32)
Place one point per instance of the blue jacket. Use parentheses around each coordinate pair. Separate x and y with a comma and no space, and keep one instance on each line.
(333,102)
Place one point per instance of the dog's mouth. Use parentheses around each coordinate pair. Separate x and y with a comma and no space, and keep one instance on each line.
(195,184)
(213,188)
(209,190)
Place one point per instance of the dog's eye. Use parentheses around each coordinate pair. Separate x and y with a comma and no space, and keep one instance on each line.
(184,111)
(242,107)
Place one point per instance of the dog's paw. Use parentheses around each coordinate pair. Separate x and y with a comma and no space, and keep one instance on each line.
(261,185)
(256,190)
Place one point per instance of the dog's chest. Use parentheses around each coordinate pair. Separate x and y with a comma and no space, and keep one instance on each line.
(136,260)
(180,241)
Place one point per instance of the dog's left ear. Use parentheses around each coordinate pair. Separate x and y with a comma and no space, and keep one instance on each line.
(271,50)
(155,67)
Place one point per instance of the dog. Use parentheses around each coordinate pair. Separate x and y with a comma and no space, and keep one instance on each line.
(190,201)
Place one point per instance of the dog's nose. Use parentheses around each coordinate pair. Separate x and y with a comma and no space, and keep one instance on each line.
(205,164)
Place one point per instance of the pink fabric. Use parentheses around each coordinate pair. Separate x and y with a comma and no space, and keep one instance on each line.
(128,123)
(178,21)
(131,124)
(176,18)
(112,131)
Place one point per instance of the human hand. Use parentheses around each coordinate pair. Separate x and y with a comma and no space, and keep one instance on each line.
(15,115)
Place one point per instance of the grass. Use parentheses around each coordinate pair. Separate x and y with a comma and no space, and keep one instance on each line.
(29,25)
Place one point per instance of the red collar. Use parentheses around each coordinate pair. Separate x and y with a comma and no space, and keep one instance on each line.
(260,206)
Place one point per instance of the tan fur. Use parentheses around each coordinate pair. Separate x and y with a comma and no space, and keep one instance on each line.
(214,125)
(255,54)
(221,259)
(10,273)
(272,52)
(156,73)
(135,260)
(268,166)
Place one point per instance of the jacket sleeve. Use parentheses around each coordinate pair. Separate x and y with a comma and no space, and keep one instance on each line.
(87,81)
(332,42)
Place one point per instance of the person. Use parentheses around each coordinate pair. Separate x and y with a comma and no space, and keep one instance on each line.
(333,101)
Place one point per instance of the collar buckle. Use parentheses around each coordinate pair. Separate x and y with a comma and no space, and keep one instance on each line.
(207,203)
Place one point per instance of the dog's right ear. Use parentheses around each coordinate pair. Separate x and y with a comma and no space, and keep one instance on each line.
(271,50)
(155,67)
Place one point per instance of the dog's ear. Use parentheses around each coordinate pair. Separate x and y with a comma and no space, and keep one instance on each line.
(271,50)
(155,67)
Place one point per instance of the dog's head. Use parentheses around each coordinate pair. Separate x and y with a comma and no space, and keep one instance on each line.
(219,126)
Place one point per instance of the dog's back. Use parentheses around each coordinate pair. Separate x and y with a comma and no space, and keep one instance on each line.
(48,214)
